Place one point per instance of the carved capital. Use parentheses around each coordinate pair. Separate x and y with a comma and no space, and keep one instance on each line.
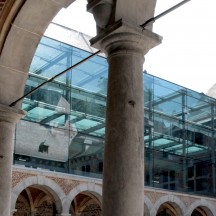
(102,12)
(107,12)
(122,36)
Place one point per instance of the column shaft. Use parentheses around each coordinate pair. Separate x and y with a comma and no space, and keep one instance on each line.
(8,119)
(123,178)
(123,158)
(6,149)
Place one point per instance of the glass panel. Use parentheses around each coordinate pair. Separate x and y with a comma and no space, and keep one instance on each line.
(51,58)
(65,125)
(198,111)
(91,75)
(167,97)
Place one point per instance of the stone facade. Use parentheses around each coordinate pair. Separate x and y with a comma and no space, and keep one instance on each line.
(64,194)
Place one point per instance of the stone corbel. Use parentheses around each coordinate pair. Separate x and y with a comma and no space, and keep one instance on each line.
(102,12)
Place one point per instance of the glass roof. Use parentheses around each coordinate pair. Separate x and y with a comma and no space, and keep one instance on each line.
(79,96)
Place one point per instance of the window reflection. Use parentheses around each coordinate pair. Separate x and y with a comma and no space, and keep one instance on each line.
(65,125)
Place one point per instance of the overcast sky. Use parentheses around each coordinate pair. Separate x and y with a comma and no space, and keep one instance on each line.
(187,55)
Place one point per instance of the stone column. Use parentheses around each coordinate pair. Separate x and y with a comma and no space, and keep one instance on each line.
(8,118)
(123,178)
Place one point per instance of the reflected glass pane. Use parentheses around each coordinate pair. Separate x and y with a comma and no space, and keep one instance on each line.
(64,127)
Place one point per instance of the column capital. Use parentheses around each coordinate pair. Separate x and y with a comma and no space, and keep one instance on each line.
(10,114)
(107,12)
(124,36)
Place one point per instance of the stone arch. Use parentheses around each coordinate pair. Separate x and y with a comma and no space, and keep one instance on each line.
(203,204)
(41,183)
(94,189)
(173,200)
(21,42)
(147,206)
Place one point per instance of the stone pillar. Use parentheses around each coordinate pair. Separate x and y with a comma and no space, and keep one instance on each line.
(123,178)
(8,118)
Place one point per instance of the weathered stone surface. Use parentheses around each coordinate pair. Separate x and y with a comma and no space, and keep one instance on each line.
(125,44)
(8,117)
(18,177)
(15,82)
(66,184)
(183,204)
(35,16)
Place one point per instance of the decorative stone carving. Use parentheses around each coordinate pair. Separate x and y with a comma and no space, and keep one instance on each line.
(18,177)
(101,10)
(66,184)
